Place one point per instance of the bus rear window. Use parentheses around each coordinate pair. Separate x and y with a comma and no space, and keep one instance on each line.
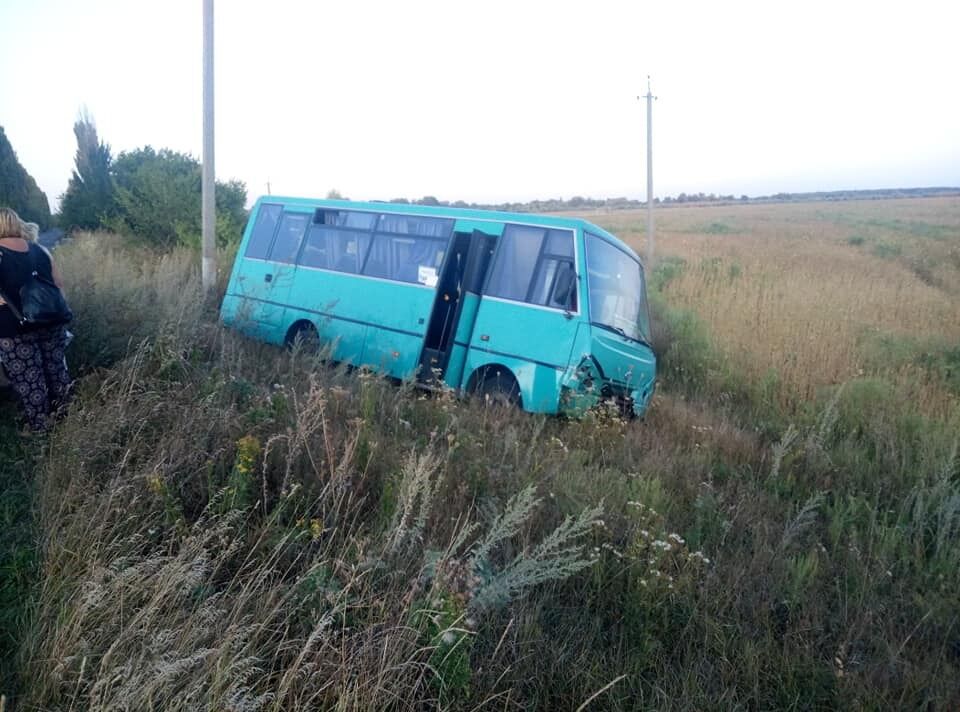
(262,236)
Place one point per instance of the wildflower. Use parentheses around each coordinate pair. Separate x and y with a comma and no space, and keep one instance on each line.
(664,545)
(316,529)
(677,538)
(155,483)
(449,638)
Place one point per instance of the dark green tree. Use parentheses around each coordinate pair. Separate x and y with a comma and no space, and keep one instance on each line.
(158,199)
(88,202)
(18,190)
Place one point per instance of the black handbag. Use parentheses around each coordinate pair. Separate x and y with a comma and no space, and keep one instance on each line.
(41,301)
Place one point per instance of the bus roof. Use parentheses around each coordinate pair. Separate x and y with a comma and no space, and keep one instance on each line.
(445,211)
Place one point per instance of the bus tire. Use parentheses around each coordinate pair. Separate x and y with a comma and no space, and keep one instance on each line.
(303,336)
(499,388)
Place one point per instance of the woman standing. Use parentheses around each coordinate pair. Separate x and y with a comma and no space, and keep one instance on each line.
(33,356)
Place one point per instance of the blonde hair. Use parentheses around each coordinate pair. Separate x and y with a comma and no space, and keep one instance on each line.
(30,232)
(10,223)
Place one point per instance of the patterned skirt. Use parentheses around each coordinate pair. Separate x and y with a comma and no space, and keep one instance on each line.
(36,366)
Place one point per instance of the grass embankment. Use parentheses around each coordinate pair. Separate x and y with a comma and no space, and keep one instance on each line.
(226,526)
(17,550)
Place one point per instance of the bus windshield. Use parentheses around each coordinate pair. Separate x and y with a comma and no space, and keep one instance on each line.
(618,300)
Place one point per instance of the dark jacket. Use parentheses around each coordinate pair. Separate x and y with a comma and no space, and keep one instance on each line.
(15,269)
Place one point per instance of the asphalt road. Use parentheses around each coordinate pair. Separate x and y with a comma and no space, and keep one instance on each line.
(50,238)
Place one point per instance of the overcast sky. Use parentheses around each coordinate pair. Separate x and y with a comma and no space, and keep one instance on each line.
(491,101)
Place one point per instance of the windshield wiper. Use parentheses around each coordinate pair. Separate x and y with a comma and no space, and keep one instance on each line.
(624,334)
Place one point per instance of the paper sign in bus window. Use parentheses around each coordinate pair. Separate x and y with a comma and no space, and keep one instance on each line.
(427,275)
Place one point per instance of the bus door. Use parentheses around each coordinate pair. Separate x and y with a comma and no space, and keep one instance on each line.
(455,308)
(530,313)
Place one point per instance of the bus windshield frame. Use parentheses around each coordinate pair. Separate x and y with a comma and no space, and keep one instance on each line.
(617,290)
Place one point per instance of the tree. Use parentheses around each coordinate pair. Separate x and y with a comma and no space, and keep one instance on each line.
(18,190)
(334,194)
(88,202)
(158,199)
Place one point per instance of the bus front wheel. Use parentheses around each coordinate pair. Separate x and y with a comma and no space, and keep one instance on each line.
(499,388)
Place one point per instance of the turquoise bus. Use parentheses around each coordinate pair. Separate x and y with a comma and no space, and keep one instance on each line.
(549,313)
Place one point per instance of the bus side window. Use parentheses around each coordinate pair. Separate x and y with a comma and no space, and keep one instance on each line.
(554,283)
(405,258)
(330,248)
(529,264)
(262,236)
(287,243)
(515,262)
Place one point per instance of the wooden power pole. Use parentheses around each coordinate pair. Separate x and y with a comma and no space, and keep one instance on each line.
(209,214)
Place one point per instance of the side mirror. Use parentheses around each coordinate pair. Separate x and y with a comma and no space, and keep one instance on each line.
(565,287)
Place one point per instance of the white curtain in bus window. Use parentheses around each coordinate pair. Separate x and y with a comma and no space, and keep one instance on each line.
(411,225)
(258,246)
(405,259)
(330,248)
(287,243)
(515,262)
(349,218)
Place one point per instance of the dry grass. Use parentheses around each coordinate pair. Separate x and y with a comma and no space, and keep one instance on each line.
(226,526)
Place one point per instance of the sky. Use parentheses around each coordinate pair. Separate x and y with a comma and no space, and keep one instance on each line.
(497,100)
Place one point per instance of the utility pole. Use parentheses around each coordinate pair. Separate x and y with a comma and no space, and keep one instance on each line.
(209,214)
(649,97)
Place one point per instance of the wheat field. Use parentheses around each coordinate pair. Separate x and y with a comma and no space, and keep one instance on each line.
(816,294)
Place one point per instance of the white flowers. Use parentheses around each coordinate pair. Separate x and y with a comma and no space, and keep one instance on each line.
(663,545)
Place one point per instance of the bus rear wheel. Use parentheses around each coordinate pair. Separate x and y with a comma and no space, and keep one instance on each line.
(499,389)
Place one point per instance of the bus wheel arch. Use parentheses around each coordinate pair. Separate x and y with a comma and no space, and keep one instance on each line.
(497,384)
(304,332)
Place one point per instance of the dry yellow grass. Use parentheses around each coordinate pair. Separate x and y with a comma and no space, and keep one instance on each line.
(800,289)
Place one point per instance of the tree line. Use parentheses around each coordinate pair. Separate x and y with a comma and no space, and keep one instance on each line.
(152,194)
(19,190)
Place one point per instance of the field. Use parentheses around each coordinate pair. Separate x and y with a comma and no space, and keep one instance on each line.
(814,295)
(221,525)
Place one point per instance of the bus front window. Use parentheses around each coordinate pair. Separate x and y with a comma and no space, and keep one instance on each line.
(618,299)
